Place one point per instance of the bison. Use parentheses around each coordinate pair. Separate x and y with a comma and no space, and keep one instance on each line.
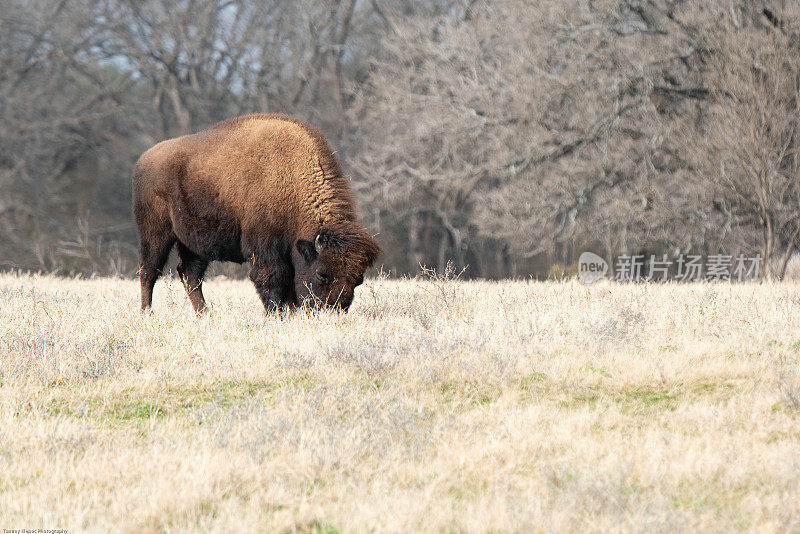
(260,188)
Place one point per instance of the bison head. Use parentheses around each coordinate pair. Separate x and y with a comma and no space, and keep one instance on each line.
(328,269)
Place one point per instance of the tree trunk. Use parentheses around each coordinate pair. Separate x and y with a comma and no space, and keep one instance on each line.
(416,256)
(767,229)
(503,261)
(181,113)
(443,243)
(788,254)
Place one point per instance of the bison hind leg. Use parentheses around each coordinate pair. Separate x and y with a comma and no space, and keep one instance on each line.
(191,270)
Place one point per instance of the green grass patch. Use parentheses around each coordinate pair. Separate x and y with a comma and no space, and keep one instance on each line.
(468,395)
(15,482)
(469,487)
(315,485)
(368,383)
(317,527)
(561,480)
(132,405)
(580,400)
(700,496)
(527,381)
(300,381)
(720,389)
(597,370)
(137,410)
(651,397)
(632,400)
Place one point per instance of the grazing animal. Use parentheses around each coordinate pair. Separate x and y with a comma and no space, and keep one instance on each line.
(260,188)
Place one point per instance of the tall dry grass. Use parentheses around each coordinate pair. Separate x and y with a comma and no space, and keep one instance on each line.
(431,406)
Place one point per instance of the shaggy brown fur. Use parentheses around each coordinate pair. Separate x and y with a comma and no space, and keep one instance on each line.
(263,188)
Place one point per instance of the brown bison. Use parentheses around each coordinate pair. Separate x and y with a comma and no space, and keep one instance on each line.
(260,188)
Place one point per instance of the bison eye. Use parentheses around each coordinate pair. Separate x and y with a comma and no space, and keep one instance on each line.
(324,278)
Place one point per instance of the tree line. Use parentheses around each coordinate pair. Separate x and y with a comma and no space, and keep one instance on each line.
(505,137)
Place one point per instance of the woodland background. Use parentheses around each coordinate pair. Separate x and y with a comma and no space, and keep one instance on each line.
(504,136)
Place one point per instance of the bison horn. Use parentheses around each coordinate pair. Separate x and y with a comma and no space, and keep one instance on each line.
(317,245)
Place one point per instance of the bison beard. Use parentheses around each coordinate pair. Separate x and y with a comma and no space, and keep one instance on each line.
(263,188)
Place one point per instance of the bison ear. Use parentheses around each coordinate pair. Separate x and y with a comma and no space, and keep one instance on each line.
(307,250)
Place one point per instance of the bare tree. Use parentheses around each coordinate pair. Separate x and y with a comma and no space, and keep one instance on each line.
(527,131)
(749,143)
(63,121)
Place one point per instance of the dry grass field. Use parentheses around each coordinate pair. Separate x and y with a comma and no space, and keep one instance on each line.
(432,406)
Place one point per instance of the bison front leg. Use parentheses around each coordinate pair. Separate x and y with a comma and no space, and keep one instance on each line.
(191,270)
(273,281)
(153,254)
